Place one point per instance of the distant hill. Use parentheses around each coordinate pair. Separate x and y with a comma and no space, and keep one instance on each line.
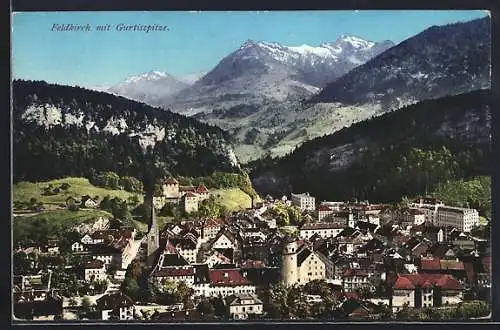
(70,131)
(404,152)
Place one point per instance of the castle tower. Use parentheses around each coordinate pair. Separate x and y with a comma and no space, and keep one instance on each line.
(171,188)
(289,269)
(153,237)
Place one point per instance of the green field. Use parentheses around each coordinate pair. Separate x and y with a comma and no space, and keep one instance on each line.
(24,191)
(52,223)
(233,199)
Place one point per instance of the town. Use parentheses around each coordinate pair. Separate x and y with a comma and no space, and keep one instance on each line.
(338,260)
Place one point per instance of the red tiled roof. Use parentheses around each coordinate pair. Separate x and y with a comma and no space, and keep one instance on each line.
(190,194)
(403,283)
(201,189)
(427,285)
(172,272)
(227,277)
(445,281)
(430,264)
(324,208)
(187,188)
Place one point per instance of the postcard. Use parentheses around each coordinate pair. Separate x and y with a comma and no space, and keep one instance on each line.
(254,166)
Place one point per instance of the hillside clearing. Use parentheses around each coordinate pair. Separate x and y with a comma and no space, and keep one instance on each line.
(78,187)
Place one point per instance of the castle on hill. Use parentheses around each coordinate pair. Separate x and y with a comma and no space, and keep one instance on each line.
(189,196)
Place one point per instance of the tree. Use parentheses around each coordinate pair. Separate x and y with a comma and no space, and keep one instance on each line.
(86,306)
(205,308)
(131,288)
(65,186)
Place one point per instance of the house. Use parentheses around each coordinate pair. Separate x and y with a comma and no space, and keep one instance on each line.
(186,246)
(225,240)
(77,247)
(116,306)
(300,264)
(425,290)
(323,229)
(304,202)
(173,267)
(211,227)
(94,270)
(242,306)
(225,282)
(353,279)
(190,202)
(202,192)
(412,217)
(87,239)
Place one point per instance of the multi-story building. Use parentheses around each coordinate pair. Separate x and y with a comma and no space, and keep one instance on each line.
(95,270)
(322,229)
(305,202)
(300,264)
(426,290)
(242,305)
(460,218)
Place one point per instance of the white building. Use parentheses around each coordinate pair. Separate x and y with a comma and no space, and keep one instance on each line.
(95,270)
(243,305)
(460,218)
(304,202)
(323,229)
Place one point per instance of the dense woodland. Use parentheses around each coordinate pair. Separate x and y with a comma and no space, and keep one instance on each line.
(402,153)
(69,150)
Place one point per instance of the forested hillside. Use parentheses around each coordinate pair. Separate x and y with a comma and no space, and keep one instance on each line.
(402,153)
(70,131)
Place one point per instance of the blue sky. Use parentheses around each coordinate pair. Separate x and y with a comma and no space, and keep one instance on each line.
(195,42)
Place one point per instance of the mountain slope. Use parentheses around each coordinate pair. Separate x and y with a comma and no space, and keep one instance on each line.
(399,153)
(263,71)
(440,61)
(150,87)
(70,131)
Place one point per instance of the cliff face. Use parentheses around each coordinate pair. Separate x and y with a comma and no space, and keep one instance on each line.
(62,130)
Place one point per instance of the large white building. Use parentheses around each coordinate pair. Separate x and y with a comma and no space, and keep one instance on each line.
(322,229)
(243,305)
(304,201)
(460,218)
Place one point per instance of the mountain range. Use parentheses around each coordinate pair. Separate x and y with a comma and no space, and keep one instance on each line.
(271,98)
(150,87)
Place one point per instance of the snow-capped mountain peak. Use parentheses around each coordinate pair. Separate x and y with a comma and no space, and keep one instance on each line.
(355,42)
(150,76)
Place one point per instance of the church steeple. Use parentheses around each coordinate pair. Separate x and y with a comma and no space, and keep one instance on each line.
(153,236)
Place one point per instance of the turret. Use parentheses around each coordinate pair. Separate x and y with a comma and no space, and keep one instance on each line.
(289,269)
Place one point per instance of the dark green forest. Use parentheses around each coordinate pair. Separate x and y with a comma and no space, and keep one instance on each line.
(41,153)
(402,153)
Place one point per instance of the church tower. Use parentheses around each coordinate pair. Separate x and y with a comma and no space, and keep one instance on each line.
(153,238)
(289,269)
